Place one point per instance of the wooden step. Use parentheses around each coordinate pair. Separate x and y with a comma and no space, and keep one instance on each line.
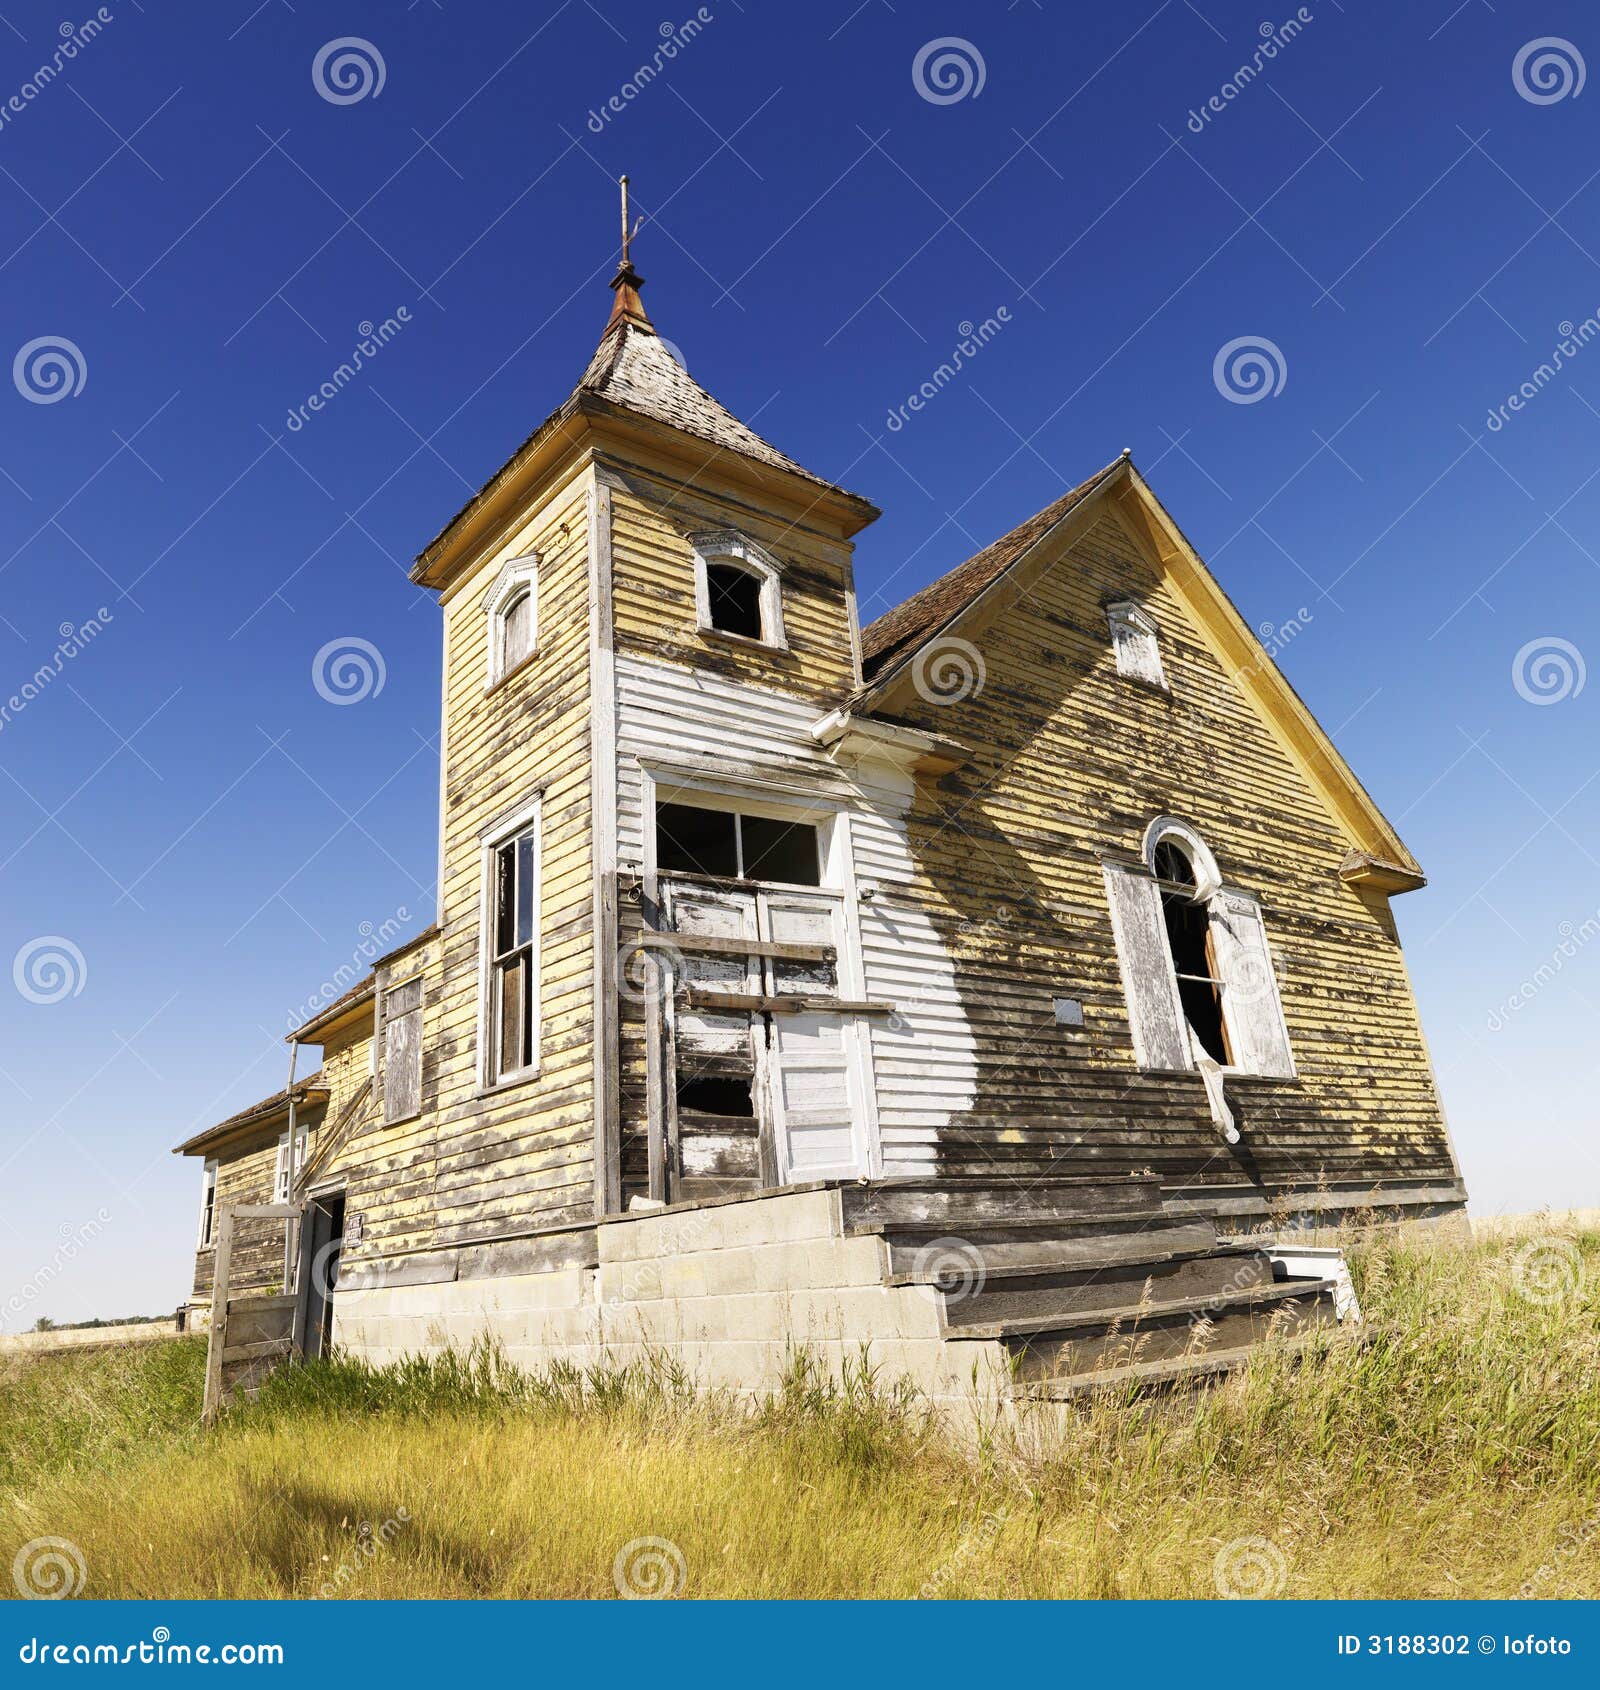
(1142,1280)
(1174,1373)
(1051,1345)
(925,1254)
(953,1203)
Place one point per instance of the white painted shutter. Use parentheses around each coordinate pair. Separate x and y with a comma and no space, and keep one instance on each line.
(1250,987)
(1160,1034)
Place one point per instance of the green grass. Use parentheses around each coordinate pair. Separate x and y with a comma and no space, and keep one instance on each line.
(1454,1455)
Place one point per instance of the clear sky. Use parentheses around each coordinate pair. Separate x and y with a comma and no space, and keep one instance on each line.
(1397,210)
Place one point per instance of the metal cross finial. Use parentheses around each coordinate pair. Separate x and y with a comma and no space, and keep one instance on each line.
(627,232)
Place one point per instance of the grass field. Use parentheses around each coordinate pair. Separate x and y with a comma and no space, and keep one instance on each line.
(1454,1455)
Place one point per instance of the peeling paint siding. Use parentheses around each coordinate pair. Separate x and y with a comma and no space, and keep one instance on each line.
(1071,763)
(522,1156)
(924,1062)
(654,603)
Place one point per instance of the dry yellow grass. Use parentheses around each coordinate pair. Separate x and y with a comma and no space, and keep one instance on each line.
(1453,1456)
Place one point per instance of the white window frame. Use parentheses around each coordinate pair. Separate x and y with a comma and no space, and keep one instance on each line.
(1131,617)
(1218,900)
(527,818)
(729,546)
(208,1205)
(662,786)
(520,574)
(280,1171)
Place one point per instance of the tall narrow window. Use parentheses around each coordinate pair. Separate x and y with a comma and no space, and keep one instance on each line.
(1200,976)
(208,1206)
(514,920)
(402,1051)
(516,631)
(1189,938)
(281,1183)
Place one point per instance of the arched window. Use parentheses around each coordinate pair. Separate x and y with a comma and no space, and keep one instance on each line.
(512,608)
(737,588)
(1187,918)
(1196,966)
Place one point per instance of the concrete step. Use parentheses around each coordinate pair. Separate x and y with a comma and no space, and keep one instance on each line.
(1048,1346)
(1174,1373)
(953,1203)
(1143,1280)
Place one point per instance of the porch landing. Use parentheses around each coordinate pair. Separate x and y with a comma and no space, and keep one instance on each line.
(972,1289)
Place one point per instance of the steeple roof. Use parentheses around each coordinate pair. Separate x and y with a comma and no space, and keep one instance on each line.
(634,371)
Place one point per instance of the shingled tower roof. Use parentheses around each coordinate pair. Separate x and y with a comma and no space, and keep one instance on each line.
(633,367)
(634,370)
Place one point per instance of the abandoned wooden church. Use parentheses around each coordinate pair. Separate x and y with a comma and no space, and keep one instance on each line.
(964,987)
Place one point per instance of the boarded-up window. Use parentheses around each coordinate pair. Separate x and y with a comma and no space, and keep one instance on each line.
(1136,640)
(402,1051)
(514,924)
(208,1207)
(516,636)
(512,606)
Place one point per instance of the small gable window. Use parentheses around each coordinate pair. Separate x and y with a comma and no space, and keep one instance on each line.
(738,588)
(1136,640)
(512,608)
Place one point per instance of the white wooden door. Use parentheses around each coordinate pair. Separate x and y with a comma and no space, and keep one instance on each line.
(813,1057)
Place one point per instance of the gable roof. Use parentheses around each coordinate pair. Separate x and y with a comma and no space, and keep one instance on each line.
(633,371)
(957,597)
(911,624)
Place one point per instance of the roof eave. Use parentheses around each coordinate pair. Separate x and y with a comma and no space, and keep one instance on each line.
(266,1115)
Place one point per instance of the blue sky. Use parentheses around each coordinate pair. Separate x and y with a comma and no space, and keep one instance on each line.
(1382,211)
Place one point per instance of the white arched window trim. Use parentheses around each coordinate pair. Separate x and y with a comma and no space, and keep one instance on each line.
(520,575)
(1252,1008)
(1207,876)
(729,546)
